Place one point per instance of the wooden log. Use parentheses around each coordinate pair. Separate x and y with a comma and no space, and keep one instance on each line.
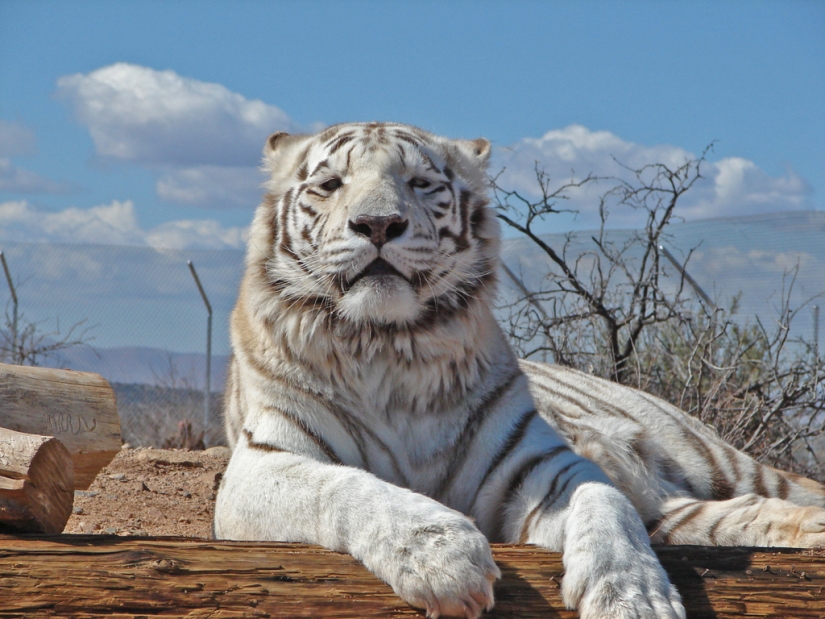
(85,576)
(36,483)
(76,407)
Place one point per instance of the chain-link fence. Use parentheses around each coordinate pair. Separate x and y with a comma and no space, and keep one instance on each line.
(755,263)
(137,318)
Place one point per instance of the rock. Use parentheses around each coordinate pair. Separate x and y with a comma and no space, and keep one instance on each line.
(118,477)
(170,457)
(212,479)
(86,527)
(218,450)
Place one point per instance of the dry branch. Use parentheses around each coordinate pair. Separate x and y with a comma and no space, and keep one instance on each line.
(85,576)
(36,483)
(76,407)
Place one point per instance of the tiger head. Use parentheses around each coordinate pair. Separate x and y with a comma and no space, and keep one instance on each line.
(376,224)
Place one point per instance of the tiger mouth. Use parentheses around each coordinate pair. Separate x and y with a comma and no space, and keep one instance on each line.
(376,268)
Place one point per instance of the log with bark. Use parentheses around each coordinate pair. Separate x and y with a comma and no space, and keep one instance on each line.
(36,483)
(84,576)
(76,407)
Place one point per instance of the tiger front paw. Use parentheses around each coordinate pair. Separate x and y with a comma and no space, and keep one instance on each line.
(611,572)
(444,567)
(639,592)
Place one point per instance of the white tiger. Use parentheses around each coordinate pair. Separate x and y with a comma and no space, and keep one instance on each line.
(374,406)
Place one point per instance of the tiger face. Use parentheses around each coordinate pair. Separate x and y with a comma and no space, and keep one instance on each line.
(380,224)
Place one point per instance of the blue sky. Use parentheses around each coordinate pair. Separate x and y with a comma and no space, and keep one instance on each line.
(141,122)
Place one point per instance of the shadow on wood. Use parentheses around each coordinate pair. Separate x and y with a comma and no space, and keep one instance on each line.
(83,576)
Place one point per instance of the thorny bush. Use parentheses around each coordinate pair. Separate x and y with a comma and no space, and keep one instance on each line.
(620,310)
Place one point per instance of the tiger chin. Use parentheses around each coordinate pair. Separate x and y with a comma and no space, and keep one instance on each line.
(374,406)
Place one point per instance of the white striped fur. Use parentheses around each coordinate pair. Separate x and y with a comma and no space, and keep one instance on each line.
(374,406)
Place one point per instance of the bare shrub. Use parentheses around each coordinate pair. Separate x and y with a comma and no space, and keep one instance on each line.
(611,305)
(169,413)
(30,343)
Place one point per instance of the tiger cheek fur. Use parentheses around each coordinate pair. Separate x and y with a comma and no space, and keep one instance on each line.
(374,406)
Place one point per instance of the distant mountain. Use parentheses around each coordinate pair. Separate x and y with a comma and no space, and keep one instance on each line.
(150,366)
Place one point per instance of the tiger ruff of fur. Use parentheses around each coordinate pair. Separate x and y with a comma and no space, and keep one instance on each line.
(374,406)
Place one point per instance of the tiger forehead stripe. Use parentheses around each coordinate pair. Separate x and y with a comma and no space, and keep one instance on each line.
(338,136)
(321,164)
(407,138)
(339,142)
(333,132)
(430,164)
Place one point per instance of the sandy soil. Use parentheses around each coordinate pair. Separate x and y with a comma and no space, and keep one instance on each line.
(152,492)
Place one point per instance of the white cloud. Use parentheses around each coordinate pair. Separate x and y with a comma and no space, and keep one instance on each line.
(15,139)
(19,180)
(196,234)
(135,113)
(215,186)
(111,224)
(204,140)
(730,187)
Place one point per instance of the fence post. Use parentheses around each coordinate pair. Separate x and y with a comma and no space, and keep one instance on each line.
(816,331)
(206,390)
(696,287)
(14,304)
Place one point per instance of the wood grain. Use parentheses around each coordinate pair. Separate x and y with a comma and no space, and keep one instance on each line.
(85,576)
(36,483)
(76,407)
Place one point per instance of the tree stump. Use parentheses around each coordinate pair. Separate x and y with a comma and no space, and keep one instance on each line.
(36,483)
(76,407)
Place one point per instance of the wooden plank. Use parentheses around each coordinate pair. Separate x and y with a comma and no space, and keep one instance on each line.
(78,408)
(85,576)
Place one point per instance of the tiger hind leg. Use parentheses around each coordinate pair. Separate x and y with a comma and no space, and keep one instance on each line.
(747,520)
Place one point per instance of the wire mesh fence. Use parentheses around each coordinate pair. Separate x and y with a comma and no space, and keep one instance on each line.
(135,314)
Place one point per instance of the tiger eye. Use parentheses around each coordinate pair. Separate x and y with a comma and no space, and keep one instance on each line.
(419,183)
(332,184)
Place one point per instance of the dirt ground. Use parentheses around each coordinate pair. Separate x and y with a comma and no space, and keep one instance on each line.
(148,491)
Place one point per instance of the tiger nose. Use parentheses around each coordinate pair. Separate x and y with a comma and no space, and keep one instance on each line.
(379,229)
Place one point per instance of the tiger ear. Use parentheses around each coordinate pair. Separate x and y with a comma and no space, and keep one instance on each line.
(477,151)
(279,147)
(272,142)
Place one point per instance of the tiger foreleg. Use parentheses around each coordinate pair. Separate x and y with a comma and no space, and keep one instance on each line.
(610,568)
(748,520)
(432,557)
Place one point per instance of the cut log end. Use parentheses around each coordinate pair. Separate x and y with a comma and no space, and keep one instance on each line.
(36,483)
(78,408)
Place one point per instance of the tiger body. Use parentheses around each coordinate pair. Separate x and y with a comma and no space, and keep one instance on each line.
(375,407)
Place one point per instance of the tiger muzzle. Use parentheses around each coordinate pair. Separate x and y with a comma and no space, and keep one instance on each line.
(379,229)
